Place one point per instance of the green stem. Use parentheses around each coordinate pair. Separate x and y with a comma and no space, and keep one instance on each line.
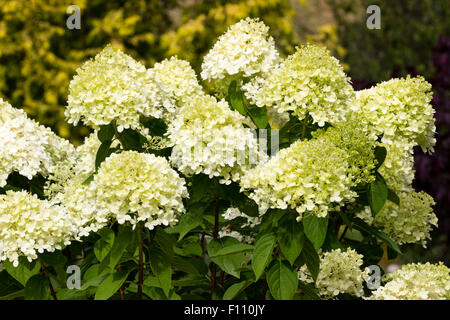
(265,289)
(304,130)
(215,236)
(44,271)
(141,262)
(338,226)
(202,243)
(343,233)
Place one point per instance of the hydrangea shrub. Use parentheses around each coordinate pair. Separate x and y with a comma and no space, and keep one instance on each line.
(271,179)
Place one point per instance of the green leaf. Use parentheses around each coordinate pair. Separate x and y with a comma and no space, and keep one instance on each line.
(236,98)
(371,253)
(106,133)
(94,282)
(165,241)
(282,280)
(363,226)
(89,179)
(151,282)
(191,280)
(290,237)
(309,292)
(157,127)
(377,194)
(331,242)
(92,272)
(71,294)
(380,156)
(104,245)
(130,139)
(380,137)
(8,284)
(346,220)
(13,295)
(158,294)
(248,206)
(259,116)
(315,229)
(188,222)
(93,277)
(111,285)
(24,271)
(55,258)
(102,153)
(311,258)
(230,263)
(232,249)
(37,288)
(160,265)
(186,265)
(234,290)
(262,254)
(58,261)
(393,197)
(200,191)
(190,246)
(121,242)
(270,220)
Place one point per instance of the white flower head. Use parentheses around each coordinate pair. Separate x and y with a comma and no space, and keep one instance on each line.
(246,50)
(420,281)
(174,83)
(134,187)
(340,272)
(412,221)
(66,188)
(27,147)
(302,178)
(308,82)
(114,87)
(210,138)
(29,226)
(399,109)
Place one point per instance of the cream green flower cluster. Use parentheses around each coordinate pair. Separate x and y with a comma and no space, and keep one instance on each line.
(397,168)
(29,226)
(27,147)
(133,187)
(411,222)
(67,189)
(300,177)
(399,109)
(246,50)
(114,87)
(416,282)
(352,137)
(81,166)
(178,83)
(210,138)
(110,87)
(309,82)
(340,272)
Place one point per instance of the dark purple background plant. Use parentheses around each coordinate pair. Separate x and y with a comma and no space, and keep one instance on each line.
(433,172)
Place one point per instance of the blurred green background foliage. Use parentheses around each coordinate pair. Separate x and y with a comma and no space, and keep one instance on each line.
(403,45)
